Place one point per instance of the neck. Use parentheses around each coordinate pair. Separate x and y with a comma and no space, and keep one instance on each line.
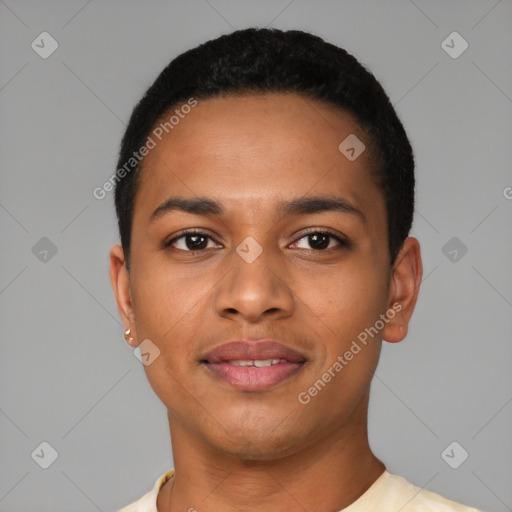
(339,468)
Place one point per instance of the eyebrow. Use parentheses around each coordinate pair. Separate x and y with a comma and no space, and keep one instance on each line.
(298,206)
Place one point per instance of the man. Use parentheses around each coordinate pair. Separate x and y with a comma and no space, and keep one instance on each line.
(265,192)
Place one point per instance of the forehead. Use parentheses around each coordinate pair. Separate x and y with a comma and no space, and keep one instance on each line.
(253,149)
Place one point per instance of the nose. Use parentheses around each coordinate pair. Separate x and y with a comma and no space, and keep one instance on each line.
(255,290)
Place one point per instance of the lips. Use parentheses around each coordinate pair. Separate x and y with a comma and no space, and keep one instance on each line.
(253,365)
(253,350)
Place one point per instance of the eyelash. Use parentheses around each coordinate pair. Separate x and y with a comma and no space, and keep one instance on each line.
(343,243)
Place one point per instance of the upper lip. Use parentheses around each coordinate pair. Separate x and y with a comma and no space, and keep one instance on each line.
(244,350)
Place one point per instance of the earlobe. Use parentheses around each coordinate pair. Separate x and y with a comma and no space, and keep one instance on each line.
(404,288)
(120,281)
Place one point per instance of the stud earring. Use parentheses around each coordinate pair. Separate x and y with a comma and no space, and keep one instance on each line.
(127,336)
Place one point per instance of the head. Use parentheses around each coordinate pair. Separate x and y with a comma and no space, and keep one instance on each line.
(261,123)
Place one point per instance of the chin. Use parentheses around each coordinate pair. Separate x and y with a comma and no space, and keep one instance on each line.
(261,440)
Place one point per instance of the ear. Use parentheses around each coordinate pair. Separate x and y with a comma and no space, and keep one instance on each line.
(120,280)
(403,290)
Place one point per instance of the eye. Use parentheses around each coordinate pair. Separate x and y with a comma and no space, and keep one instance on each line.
(190,241)
(197,241)
(319,240)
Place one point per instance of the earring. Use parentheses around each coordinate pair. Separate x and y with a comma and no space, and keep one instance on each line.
(127,336)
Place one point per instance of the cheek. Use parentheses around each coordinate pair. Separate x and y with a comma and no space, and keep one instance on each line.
(165,302)
(168,312)
(345,301)
(339,312)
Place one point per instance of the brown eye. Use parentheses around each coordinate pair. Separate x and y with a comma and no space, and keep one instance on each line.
(190,241)
(320,240)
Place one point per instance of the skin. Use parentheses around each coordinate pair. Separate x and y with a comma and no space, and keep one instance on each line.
(263,451)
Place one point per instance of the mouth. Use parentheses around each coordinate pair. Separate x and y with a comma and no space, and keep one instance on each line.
(253,365)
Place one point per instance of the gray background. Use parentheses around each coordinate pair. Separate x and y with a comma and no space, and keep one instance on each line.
(67,376)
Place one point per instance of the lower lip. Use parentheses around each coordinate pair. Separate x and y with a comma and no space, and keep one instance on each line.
(252,378)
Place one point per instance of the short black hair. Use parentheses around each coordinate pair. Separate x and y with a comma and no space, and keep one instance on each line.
(264,60)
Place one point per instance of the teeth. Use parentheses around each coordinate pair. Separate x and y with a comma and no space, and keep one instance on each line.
(242,363)
(259,363)
(264,362)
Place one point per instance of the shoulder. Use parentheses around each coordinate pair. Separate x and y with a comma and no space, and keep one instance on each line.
(390,493)
(147,503)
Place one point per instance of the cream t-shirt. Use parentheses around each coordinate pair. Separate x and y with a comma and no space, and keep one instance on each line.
(389,493)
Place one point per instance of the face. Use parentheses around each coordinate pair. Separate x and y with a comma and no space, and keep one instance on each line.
(251,267)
